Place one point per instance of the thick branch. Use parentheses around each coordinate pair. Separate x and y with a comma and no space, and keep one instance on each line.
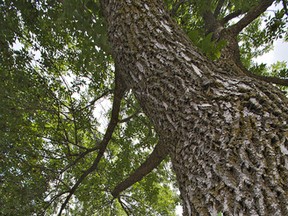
(155,158)
(212,24)
(269,79)
(251,15)
(232,50)
(118,95)
(274,80)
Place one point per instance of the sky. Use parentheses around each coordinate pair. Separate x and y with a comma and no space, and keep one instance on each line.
(279,53)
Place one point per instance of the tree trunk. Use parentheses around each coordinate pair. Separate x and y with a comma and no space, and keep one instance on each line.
(226,132)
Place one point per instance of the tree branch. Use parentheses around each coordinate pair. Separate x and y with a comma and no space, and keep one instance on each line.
(92,102)
(118,95)
(218,8)
(251,15)
(231,16)
(124,207)
(269,79)
(82,155)
(155,158)
(212,24)
(51,201)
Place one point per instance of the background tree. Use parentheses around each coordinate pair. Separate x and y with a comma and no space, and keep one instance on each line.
(55,150)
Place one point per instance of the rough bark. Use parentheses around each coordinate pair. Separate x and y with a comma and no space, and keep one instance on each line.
(226,133)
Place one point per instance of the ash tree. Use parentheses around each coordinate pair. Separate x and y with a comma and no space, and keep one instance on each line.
(108,106)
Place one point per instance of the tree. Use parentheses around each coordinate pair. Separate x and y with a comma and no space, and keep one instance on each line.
(215,122)
(225,132)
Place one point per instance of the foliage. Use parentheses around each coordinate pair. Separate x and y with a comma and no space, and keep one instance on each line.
(55,65)
(56,73)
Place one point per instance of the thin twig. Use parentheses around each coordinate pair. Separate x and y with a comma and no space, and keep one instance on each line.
(92,102)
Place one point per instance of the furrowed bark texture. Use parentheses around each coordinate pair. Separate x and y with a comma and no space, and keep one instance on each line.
(226,133)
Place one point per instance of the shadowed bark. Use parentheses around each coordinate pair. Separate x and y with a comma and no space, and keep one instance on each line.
(226,133)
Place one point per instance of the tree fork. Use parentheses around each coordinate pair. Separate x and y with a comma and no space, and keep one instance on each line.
(231,53)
